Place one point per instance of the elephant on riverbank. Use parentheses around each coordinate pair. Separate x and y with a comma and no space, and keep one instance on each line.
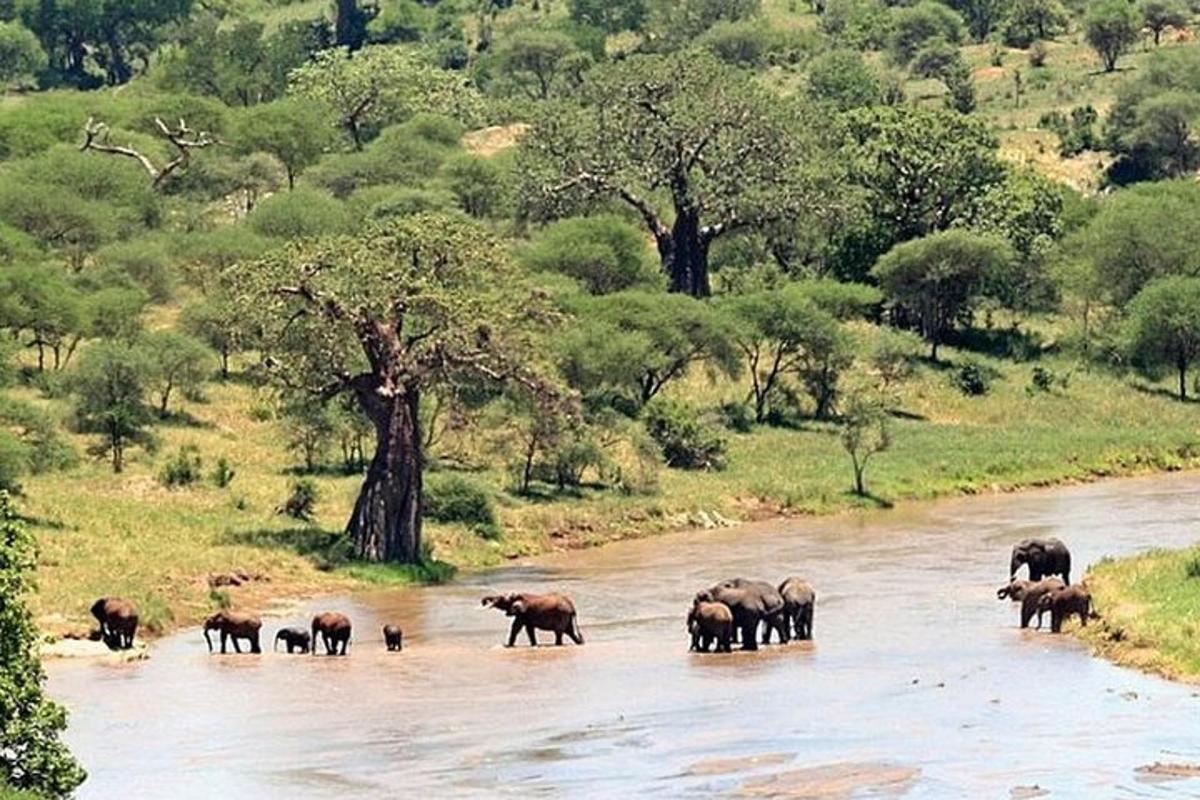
(544,612)
(799,599)
(1062,603)
(334,630)
(1044,557)
(709,623)
(296,639)
(1029,595)
(751,602)
(234,625)
(118,620)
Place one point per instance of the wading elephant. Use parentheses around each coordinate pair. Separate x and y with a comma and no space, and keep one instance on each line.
(234,625)
(1062,603)
(334,630)
(118,620)
(1044,557)
(798,602)
(393,637)
(751,602)
(708,623)
(544,612)
(1029,594)
(296,639)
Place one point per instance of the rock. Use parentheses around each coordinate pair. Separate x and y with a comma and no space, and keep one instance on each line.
(88,648)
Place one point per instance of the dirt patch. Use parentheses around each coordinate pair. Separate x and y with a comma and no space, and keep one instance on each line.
(1160,772)
(725,766)
(832,781)
(488,142)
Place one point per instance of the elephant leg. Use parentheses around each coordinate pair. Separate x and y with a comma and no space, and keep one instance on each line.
(512,634)
(345,644)
(532,636)
(749,637)
(236,647)
(255,646)
(224,641)
(558,638)
(695,640)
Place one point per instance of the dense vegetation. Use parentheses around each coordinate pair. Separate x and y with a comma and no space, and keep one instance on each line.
(309,275)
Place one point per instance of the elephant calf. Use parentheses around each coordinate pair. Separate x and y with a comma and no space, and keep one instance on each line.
(799,599)
(1030,597)
(546,612)
(296,639)
(708,623)
(118,620)
(1062,603)
(393,637)
(234,625)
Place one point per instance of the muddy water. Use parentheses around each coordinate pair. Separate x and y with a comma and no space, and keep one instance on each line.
(918,684)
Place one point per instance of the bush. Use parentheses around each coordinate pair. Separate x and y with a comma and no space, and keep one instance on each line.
(1192,568)
(1038,54)
(737,417)
(301,504)
(973,378)
(1044,380)
(181,470)
(298,214)
(223,474)
(686,441)
(455,499)
(604,253)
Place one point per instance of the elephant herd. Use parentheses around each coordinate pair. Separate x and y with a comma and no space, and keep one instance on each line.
(725,614)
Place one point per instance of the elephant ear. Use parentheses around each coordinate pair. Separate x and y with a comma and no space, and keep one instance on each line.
(517,606)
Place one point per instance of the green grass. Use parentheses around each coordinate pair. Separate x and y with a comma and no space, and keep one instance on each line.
(1150,606)
(127,535)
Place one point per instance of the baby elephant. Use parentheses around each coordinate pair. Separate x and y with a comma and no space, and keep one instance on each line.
(1030,593)
(234,625)
(297,640)
(1063,603)
(546,612)
(393,637)
(798,602)
(708,623)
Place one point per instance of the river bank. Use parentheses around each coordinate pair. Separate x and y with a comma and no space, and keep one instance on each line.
(916,679)
(128,535)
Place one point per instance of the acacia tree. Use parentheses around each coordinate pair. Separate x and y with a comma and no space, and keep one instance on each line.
(387,316)
(1163,327)
(697,150)
(1111,27)
(1158,15)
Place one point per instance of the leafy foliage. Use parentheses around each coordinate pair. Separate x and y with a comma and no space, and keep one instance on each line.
(453,498)
(1163,327)
(687,442)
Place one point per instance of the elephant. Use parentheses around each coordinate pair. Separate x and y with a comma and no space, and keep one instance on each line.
(1062,603)
(1031,595)
(393,637)
(296,639)
(334,629)
(708,623)
(1014,590)
(234,625)
(118,620)
(798,602)
(547,612)
(751,602)
(1044,557)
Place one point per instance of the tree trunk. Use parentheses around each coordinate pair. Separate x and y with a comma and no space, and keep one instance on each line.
(684,255)
(386,522)
(118,460)
(1182,365)
(348,25)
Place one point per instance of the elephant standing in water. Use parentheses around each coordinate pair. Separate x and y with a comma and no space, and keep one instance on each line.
(546,612)
(799,600)
(1062,603)
(118,620)
(393,637)
(751,602)
(334,630)
(234,625)
(1044,557)
(708,623)
(296,639)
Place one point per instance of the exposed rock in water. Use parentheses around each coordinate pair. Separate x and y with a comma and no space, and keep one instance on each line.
(850,779)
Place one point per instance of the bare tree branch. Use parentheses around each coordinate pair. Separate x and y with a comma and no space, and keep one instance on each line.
(182,138)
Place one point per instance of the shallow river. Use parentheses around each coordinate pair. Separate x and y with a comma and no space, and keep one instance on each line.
(918,683)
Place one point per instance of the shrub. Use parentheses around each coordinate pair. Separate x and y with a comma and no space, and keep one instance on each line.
(1192,568)
(223,474)
(298,214)
(1038,54)
(1044,380)
(973,378)
(455,499)
(301,504)
(686,441)
(183,469)
(737,417)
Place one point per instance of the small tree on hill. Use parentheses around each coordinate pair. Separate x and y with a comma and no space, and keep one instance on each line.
(175,361)
(1158,15)
(1163,327)
(865,433)
(109,384)
(1111,26)
(32,756)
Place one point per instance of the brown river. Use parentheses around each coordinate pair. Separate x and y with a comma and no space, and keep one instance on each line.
(918,683)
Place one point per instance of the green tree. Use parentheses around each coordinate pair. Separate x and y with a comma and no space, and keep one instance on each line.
(299,214)
(1153,122)
(842,77)
(379,85)
(32,755)
(30,443)
(724,154)
(1033,20)
(310,427)
(388,315)
(479,184)
(981,16)
(865,433)
(1163,327)
(216,321)
(109,384)
(914,27)
(781,333)
(41,305)
(295,132)
(604,253)
(941,60)
(1111,27)
(1158,15)
(538,63)
(611,16)
(21,55)
(937,279)
(675,23)
(175,361)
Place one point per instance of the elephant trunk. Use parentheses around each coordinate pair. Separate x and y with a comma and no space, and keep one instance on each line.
(1014,565)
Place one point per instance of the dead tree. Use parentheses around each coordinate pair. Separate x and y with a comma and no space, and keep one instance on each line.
(182,138)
